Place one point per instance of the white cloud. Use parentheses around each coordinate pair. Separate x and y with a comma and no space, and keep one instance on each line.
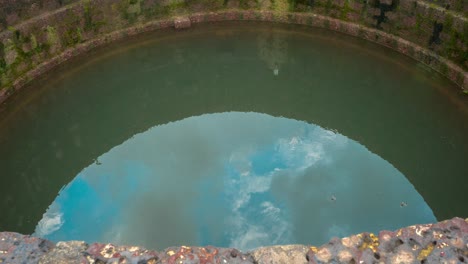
(247,186)
(51,221)
(251,238)
(270,210)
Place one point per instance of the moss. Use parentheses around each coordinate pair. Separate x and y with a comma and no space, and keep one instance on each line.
(345,10)
(134,8)
(16,34)
(244,4)
(412,10)
(443,68)
(365,8)
(273,4)
(281,5)
(452,49)
(2,66)
(2,50)
(87,15)
(448,22)
(19,40)
(52,36)
(159,11)
(451,44)
(10,50)
(328,6)
(216,4)
(418,25)
(465,33)
(433,6)
(33,42)
(72,36)
(294,5)
(89,23)
(425,252)
(458,5)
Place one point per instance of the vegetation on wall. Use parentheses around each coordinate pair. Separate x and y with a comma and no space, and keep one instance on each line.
(22,49)
(88,12)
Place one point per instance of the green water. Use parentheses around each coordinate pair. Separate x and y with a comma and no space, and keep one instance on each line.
(161,140)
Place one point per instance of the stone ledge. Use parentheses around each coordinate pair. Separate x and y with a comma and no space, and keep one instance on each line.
(443,242)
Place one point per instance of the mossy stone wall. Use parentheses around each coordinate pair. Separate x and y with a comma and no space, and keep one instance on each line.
(35,31)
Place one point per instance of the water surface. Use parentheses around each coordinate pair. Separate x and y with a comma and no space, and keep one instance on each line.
(159,131)
(241,180)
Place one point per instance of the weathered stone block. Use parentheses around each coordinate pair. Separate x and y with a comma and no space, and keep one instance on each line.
(66,253)
(18,249)
(182,22)
(281,254)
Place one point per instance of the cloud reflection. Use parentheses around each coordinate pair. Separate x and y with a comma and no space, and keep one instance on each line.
(233,179)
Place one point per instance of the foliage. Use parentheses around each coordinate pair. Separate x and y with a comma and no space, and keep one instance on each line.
(88,17)
(72,36)
(89,23)
(345,10)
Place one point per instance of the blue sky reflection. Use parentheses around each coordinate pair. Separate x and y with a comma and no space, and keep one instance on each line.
(233,180)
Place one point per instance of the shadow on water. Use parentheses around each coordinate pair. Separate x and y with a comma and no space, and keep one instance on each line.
(382,100)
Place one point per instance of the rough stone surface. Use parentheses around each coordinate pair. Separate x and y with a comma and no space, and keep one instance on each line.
(182,22)
(443,242)
(66,252)
(16,248)
(281,254)
(209,254)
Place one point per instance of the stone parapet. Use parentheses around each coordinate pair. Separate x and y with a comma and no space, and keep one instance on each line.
(443,242)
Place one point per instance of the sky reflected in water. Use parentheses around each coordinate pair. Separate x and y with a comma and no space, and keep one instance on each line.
(233,180)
